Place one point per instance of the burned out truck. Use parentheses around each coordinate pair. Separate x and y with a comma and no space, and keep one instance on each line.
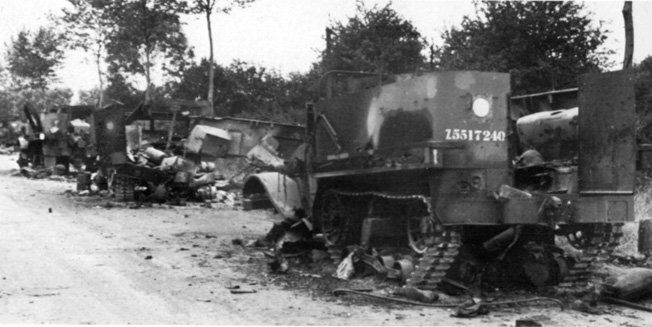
(434,161)
(61,135)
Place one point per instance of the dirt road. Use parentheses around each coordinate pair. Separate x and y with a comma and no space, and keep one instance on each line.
(85,260)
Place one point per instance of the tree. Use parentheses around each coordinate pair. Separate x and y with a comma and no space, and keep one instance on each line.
(13,99)
(194,81)
(88,27)
(33,57)
(91,97)
(119,90)
(146,30)
(46,98)
(7,102)
(207,7)
(374,40)
(245,90)
(544,45)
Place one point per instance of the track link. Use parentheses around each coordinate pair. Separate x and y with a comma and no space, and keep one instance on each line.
(436,261)
(123,188)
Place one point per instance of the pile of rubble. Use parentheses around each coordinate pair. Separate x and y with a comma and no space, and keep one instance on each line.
(203,173)
(295,250)
(157,176)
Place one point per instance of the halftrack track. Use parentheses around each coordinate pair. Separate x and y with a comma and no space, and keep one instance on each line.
(437,245)
(597,242)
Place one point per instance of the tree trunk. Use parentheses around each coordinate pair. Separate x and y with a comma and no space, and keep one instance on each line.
(629,35)
(148,90)
(210,68)
(98,61)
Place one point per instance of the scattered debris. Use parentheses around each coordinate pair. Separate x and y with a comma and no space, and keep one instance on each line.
(241,291)
(417,294)
(43,294)
(634,284)
(625,303)
(588,303)
(345,270)
(279,266)
(310,275)
(527,323)
(446,305)
(471,308)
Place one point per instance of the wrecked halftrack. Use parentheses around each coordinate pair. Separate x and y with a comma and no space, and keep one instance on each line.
(437,161)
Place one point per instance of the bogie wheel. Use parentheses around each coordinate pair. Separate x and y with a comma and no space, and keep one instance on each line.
(423,231)
(596,236)
(579,238)
(335,219)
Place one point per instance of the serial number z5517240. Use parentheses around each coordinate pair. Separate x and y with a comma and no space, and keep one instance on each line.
(457,134)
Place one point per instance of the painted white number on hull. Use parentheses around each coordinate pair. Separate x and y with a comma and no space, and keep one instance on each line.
(474,135)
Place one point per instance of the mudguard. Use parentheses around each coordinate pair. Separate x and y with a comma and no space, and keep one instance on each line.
(284,192)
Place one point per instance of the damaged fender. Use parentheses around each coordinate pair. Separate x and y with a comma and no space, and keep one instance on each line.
(284,192)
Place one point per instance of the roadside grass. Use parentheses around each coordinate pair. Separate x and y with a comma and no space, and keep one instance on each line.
(642,211)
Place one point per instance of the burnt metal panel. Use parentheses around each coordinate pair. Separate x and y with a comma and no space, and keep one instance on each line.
(552,133)
(432,107)
(110,132)
(283,191)
(604,209)
(249,133)
(476,210)
(545,101)
(607,151)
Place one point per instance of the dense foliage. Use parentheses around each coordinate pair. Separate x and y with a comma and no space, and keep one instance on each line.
(146,32)
(207,8)
(374,40)
(32,58)
(244,90)
(545,45)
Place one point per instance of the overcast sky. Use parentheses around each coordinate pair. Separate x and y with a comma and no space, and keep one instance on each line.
(286,35)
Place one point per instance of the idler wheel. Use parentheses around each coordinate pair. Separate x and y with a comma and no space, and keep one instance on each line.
(335,219)
(423,233)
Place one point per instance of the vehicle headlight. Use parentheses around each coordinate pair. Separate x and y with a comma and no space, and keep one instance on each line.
(481,107)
